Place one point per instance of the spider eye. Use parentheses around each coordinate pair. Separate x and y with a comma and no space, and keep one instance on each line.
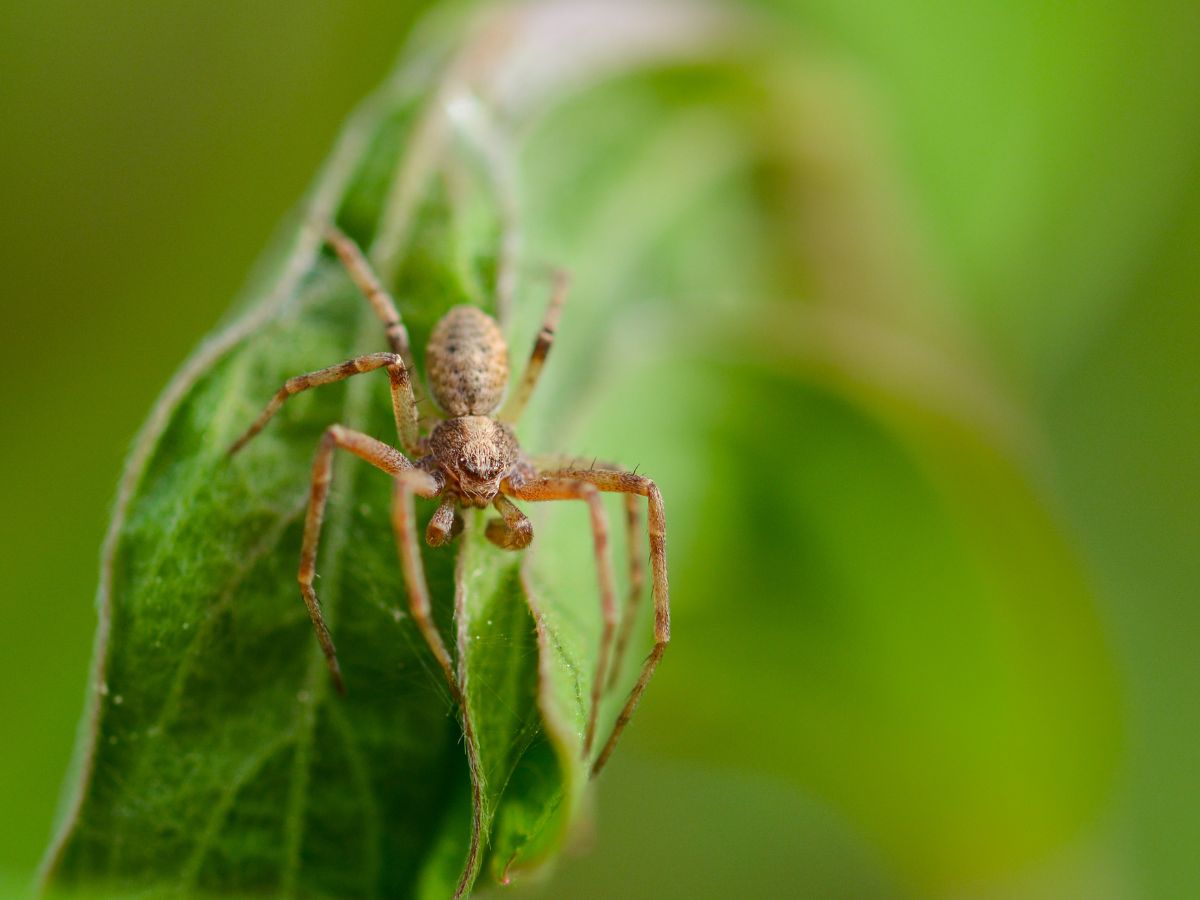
(484,469)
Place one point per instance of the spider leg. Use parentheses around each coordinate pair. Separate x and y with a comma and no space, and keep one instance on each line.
(407,483)
(364,277)
(554,488)
(628,483)
(515,405)
(377,454)
(637,581)
(637,570)
(367,281)
(401,386)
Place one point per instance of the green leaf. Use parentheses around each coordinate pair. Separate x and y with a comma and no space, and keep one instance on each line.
(751,320)
(221,760)
(215,756)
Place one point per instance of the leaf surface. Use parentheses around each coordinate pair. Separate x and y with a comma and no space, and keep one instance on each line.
(216,757)
(750,322)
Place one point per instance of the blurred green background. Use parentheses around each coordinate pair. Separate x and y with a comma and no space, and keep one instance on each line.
(936,569)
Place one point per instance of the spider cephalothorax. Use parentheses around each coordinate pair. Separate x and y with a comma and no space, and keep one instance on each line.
(473,453)
(472,459)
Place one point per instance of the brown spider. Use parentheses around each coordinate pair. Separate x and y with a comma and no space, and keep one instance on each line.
(472,459)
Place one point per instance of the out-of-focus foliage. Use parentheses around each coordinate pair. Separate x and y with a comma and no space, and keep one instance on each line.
(898,312)
(879,604)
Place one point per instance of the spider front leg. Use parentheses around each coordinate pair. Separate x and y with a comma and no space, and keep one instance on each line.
(377,454)
(637,582)
(634,561)
(628,483)
(554,488)
(404,522)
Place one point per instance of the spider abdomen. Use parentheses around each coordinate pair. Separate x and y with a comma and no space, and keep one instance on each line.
(467,362)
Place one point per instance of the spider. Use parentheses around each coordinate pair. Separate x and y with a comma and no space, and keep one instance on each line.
(471,458)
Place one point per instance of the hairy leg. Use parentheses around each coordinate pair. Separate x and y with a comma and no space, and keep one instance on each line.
(551,488)
(377,454)
(408,483)
(628,483)
(634,542)
(637,582)
(402,398)
(368,283)
(541,348)
(365,279)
